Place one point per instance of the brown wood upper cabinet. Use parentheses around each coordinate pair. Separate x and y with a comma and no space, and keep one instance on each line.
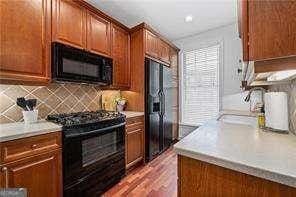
(25,41)
(164,51)
(152,47)
(157,48)
(98,34)
(270,28)
(75,25)
(121,59)
(69,23)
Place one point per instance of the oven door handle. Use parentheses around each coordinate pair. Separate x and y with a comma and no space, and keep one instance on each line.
(95,131)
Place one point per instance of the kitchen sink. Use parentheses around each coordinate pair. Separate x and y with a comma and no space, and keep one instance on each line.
(238,119)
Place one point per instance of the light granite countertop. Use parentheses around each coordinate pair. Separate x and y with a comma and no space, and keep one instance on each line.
(243,148)
(12,131)
(131,114)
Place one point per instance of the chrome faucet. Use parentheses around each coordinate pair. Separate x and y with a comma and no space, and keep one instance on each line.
(247,99)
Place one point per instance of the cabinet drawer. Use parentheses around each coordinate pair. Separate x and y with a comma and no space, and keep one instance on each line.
(133,124)
(138,127)
(18,149)
(131,121)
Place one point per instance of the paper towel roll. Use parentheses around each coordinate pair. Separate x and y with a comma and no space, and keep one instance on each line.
(276,110)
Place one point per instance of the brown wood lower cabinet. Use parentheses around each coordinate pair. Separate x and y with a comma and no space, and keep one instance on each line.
(197,178)
(39,173)
(134,141)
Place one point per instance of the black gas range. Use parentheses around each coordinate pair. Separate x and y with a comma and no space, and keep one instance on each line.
(93,151)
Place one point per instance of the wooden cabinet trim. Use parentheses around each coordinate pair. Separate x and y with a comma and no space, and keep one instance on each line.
(135,130)
(158,60)
(133,163)
(139,128)
(135,123)
(32,164)
(273,65)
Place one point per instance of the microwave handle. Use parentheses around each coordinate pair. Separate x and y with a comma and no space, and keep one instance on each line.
(95,131)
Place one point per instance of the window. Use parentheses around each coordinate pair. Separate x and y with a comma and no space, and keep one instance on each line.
(200,91)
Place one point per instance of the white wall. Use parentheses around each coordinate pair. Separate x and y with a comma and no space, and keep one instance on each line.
(231,48)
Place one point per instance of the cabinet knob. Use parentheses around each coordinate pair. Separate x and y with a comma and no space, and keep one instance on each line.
(34,146)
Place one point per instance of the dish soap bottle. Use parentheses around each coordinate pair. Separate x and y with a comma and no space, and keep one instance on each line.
(261,118)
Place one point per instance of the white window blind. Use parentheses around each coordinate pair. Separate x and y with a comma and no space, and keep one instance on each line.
(200,90)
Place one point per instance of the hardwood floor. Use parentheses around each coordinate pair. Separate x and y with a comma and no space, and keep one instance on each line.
(156,179)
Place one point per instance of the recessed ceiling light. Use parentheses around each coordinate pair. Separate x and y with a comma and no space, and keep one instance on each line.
(188,18)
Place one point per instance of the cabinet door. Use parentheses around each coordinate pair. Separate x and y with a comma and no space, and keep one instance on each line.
(69,23)
(41,175)
(134,147)
(120,55)
(98,34)
(164,51)
(25,40)
(242,14)
(152,48)
(272,29)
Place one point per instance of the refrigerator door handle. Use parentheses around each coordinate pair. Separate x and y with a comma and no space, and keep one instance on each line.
(160,100)
(162,103)
(150,104)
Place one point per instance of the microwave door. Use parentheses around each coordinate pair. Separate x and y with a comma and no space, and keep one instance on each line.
(91,72)
(76,65)
(72,69)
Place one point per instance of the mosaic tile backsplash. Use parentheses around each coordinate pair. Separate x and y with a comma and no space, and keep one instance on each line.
(291,90)
(52,99)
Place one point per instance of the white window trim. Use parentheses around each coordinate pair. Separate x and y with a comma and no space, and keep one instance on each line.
(219,42)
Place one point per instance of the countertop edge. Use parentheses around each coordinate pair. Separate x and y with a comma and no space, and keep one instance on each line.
(132,114)
(261,173)
(28,134)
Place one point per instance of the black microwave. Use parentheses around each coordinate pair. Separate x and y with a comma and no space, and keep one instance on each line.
(77,65)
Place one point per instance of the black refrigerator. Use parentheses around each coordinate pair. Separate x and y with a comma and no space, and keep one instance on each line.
(158,108)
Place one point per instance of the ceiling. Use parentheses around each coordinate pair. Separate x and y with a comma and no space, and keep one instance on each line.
(168,16)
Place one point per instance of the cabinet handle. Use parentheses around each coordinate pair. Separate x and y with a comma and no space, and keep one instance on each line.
(34,146)
(5,170)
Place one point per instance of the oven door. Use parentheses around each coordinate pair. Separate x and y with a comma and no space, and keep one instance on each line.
(93,160)
(76,65)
